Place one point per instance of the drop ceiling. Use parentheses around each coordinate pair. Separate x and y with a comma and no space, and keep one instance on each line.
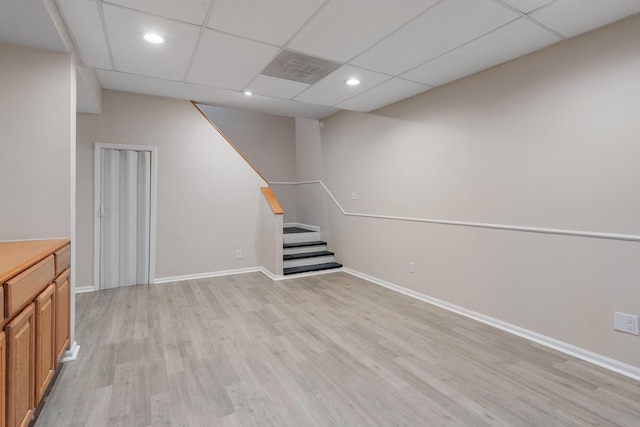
(215,50)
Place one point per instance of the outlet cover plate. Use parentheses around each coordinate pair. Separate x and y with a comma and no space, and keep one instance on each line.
(627,323)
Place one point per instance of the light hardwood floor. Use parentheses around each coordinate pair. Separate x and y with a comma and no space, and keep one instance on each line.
(329,350)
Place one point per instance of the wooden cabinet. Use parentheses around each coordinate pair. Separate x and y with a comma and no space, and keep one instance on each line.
(63,295)
(21,289)
(20,368)
(45,340)
(34,315)
(63,258)
(3,379)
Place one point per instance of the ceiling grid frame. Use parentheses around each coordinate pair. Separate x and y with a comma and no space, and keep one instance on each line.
(370,22)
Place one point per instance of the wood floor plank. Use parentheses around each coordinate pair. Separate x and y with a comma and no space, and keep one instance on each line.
(327,350)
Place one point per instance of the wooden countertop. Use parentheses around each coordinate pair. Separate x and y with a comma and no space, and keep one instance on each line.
(16,256)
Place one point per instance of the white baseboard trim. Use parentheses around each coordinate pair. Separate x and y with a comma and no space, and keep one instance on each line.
(269,274)
(158,281)
(72,353)
(84,289)
(580,353)
(298,224)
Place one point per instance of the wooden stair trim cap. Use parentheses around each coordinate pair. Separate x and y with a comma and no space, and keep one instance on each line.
(271,199)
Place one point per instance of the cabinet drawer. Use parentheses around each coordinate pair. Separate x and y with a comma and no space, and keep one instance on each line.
(63,258)
(23,288)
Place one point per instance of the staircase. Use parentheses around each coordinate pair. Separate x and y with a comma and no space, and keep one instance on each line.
(305,252)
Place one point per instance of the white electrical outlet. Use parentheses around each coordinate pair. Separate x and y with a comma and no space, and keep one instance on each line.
(238,253)
(354,195)
(626,323)
(412,267)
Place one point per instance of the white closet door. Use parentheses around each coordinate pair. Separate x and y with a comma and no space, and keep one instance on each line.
(125,185)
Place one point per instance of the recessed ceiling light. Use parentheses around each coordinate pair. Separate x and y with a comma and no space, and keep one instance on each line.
(154,38)
(248,93)
(353,82)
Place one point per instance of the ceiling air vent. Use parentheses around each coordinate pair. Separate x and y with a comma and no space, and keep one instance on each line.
(299,67)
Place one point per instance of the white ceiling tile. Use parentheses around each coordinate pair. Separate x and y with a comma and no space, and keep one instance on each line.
(210,95)
(333,90)
(573,17)
(515,39)
(391,91)
(172,89)
(273,86)
(27,23)
(526,6)
(227,61)
(255,18)
(344,28)
(83,19)
(444,27)
(192,11)
(132,54)
(430,41)
(286,107)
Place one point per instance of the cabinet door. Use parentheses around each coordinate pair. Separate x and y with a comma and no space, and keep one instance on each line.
(45,340)
(62,314)
(3,378)
(20,373)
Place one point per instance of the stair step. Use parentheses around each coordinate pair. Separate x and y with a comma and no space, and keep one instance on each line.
(291,230)
(302,248)
(306,255)
(299,235)
(300,244)
(308,260)
(314,267)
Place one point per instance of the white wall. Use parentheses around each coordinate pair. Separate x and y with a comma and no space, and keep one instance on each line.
(268,142)
(36,141)
(208,197)
(311,206)
(549,140)
(270,254)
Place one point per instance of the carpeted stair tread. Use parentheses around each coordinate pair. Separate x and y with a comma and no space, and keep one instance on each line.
(306,255)
(308,268)
(302,244)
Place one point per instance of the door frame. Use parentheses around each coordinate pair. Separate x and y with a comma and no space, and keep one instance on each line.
(96,207)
